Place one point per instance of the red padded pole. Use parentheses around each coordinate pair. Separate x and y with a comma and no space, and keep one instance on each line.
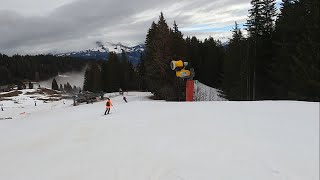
(189,90)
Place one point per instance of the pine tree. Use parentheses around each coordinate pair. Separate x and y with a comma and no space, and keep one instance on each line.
(255,23)
(207,60)
(55,85)
(255,28)
(74,89)
(132,77)
(178,43)
(96,74)
(142,73)
(305,56)
(30,85)
(124,71)
(179,47)
(236,35)
(194,47)
(285,34)
(260,27)
(234,79)
(105,77)
(4,75)
(265,59)
(159,77)
(92,79)
(87,80)
(297,63)
(113,73)
(269,13)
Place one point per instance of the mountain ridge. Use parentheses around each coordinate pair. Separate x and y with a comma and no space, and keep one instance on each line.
(101,52)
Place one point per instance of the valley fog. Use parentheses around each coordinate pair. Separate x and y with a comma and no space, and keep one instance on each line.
(75,78)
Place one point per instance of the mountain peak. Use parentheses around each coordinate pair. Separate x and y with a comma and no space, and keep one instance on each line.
(101,51)
(116,47)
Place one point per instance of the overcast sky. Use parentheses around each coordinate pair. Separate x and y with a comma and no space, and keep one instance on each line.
(51,26)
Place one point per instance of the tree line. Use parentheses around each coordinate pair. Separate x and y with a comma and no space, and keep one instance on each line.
(109,76)
(64,87)
(278,59)
(16,69)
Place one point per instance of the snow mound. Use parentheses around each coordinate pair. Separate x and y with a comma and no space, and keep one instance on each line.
(203,92)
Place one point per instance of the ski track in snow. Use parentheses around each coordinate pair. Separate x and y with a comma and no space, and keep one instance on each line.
(157,140)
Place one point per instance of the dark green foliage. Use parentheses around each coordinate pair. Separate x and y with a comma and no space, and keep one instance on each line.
(211,66)
(30,85)
(297,56)
(207,60)
(162,46)
(124,69)
(278,60)
(92,78)
(20,85)
(87,80)
(109,76)
(68,88)
(234,83)
(113,73)
(54,85)
(142,73)
(260,26)
(35,68)
(133,81)
(194,47)
(5,75)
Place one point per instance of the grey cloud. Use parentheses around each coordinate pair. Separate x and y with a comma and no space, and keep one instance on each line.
(81,23)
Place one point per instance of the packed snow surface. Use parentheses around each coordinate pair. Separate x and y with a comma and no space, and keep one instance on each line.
(157,140)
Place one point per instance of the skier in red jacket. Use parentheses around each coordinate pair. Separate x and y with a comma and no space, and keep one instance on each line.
(108,106)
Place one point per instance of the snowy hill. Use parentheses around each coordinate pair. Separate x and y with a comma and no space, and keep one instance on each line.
(157,140)
(101,52)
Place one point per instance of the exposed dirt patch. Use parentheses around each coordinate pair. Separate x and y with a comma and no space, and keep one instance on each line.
(5,99)
(49,99)
(56,96)
(10,94)
(49,91)
(34,92)
(44,91)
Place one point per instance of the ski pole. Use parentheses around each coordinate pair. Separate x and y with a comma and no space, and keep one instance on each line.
(114,109)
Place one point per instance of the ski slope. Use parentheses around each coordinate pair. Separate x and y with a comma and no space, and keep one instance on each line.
(157,140)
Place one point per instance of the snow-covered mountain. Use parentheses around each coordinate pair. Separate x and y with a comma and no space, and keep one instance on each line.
(101,52)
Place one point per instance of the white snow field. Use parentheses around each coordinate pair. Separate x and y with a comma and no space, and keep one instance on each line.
(157,140)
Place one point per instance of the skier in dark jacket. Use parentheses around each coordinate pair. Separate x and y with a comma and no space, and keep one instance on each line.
(125,99)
